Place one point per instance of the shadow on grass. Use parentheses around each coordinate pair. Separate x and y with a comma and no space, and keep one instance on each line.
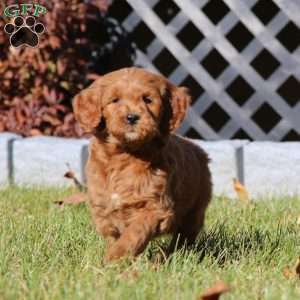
(225,245)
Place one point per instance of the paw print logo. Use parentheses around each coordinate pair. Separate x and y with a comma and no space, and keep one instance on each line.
(24,32)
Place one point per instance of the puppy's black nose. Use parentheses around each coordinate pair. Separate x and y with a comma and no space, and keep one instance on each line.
(132,118)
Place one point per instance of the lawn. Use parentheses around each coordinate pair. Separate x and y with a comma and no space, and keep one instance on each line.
(47,252)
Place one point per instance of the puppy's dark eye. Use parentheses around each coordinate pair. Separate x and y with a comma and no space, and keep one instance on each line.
(116,100)
(147,100)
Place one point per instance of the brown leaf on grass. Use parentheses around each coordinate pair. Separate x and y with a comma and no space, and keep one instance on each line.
(71,175)
(241,191)
(289,273)
(215,291)
(74,199)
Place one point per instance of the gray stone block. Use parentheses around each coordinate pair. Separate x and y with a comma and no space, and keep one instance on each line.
(43,161)
(272,169)
(5,156)
(223,164)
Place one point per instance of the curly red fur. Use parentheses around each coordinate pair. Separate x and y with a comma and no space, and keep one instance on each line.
(143,181)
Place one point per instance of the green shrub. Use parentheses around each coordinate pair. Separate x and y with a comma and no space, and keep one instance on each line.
(37,84)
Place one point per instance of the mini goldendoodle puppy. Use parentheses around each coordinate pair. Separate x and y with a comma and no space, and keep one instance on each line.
(143,181)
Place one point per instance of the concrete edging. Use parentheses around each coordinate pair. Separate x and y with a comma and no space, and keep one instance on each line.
(266,168)
(6,157)
(26,161)
(272,168)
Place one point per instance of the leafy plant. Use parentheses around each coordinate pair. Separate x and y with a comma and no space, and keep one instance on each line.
(38,84)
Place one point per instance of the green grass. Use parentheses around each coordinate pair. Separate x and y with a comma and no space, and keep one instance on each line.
(52,253)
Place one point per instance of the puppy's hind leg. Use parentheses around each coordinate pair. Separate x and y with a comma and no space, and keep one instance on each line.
(187,232)
(134,238)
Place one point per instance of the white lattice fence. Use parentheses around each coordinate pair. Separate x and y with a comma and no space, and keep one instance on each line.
(241,60)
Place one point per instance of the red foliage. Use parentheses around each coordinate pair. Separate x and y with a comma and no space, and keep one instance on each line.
(37,84)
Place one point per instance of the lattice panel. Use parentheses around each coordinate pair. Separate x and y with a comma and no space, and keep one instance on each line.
(240,59)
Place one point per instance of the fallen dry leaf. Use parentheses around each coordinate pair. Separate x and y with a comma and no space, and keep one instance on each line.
(215,291)
(71,175)
(241,191)
(73,199)
(289,273)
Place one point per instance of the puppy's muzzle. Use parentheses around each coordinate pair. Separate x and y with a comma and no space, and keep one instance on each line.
(132,119)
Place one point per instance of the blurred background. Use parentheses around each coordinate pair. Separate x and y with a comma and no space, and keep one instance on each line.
(240,60)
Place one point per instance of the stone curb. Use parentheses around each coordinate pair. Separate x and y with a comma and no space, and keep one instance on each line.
(32,164)
(225,158)
(266,168)
(272,169)
(6,158)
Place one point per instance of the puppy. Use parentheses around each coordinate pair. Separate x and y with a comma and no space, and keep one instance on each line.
(143,181)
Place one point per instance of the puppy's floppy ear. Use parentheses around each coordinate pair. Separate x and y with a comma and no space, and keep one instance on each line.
(87,108)
(179,101)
